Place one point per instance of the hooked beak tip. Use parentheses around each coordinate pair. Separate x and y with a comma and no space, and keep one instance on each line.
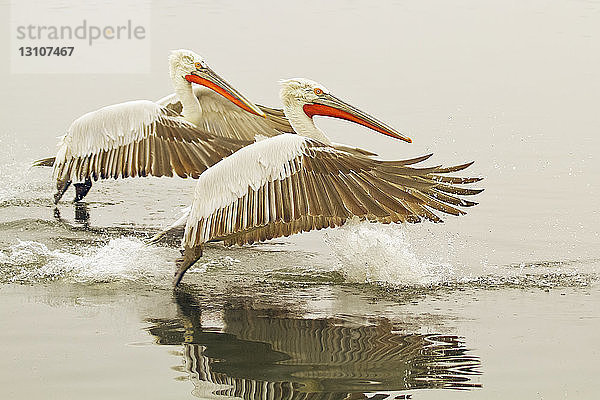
(398,136)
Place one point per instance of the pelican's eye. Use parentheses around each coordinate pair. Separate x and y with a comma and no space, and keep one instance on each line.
(199,65)
(318,91)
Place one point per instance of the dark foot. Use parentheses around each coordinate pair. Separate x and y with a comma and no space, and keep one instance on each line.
(61,188)
(190,256)
(82,189)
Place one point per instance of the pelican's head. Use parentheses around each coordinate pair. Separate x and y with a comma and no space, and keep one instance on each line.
(315,99)
(191,67)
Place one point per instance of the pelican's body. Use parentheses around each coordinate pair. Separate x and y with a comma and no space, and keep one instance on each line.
(184,133)
(292,183)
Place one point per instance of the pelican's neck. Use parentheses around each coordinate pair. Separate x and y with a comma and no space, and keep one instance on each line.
(192,111)
(302,123)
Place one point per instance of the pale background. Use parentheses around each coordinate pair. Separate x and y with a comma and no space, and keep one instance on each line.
(513,85)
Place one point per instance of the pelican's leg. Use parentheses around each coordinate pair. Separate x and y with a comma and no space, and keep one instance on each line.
(81,189)
(190,256)
(61,188)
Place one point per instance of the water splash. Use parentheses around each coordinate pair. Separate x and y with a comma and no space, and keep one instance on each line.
(384,254)
(21,184)
(123,259)
(396,256)
(392,256)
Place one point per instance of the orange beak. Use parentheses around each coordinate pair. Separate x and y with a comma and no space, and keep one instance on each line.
(208,78)
(330,106)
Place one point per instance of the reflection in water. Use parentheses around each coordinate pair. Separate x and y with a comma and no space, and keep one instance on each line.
(270,354)
(82,213)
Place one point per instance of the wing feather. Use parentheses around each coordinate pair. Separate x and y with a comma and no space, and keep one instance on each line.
(137,138)
(349,200)
(301,184)
(373,209)
(176,160)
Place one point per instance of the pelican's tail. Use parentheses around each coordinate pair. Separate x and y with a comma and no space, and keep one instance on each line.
(44,162)
(190,256)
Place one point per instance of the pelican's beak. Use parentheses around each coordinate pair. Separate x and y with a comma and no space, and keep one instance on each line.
(330,106)
(209,78)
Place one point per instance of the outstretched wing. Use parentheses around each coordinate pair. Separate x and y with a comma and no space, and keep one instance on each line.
(137,138)
(223,118)
(289,184)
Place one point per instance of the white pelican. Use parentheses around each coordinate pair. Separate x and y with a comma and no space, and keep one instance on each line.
(292,183)
(184,133)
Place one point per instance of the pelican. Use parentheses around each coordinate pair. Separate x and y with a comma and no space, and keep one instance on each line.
(288,184)
(183,133)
